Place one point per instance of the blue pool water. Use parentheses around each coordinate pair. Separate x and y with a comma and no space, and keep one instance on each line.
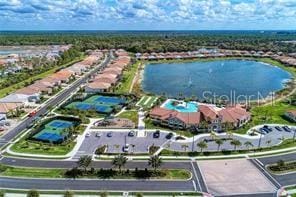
(188,107)
(231,78)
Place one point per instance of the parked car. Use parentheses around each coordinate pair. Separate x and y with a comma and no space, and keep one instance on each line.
(98,134)
(1,129)
(125,148)
(87,134)
(267,128)
(286,128)
(262,131)
(131,133)
(156,134)
(278,128)
(109,134)
(169,136)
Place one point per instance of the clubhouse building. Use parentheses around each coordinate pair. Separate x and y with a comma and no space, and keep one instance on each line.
(178,114)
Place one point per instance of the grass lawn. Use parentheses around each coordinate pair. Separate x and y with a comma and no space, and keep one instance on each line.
(285,168)
(127,79)
(268,114)
(147,101)
(8,90)
(97,174)
(31,172)
(31,147)
(132,115)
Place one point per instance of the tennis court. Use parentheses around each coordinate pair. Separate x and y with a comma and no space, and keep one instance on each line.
(59,124)
(54,131)
(102,104)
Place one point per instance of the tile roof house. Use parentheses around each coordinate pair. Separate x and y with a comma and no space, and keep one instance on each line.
(95,87)
(214,116)
(5,108)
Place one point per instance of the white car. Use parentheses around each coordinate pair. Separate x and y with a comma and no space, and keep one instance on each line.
(126,148)
(87,134)
(98,134)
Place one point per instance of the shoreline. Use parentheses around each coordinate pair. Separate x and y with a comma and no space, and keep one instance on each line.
(288,84)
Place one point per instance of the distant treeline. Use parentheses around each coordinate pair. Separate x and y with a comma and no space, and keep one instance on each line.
(158,41)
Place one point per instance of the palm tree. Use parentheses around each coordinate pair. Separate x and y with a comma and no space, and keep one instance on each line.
(185,146)
(248,144)
(202,145)
(219,142)
(117,146)
(229,133)
(69,194)
(33,193)
(213,135)
(119,161)
(268,142)
(155,162)
(84,162)
(235,143)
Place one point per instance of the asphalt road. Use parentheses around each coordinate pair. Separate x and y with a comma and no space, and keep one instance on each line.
(114,185)
(4,140)
(287,179)
(22,162)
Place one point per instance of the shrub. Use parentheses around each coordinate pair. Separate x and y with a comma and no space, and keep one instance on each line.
(33,193)
(69,194)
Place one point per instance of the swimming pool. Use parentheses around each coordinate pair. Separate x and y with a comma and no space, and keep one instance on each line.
(181,106)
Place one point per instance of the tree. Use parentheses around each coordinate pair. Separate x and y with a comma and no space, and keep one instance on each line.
(119,161)
(155,162)
(184,146)
(219,142)
(268,142)
(104,194)
(33,193)
(84,162)
(139,195)
(213,135)
(229,133)
(202,145)
(280,163)
(235,143)
(248,144)
(69,194)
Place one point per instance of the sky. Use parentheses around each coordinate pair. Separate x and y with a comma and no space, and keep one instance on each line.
(147,14)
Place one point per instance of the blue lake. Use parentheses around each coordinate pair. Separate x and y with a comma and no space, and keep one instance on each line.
(206,79)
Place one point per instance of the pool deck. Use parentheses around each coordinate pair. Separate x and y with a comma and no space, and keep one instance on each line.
(163,105)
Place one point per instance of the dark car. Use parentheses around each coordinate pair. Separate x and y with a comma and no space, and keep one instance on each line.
(131,134)
(109,134)
(169,136)
(156,134)
(286,128)
(267,128)
(278,128)
(263,131)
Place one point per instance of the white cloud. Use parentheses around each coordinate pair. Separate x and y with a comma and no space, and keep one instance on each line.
(170,11)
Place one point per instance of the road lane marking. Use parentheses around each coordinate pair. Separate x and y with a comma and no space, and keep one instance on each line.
(196,177)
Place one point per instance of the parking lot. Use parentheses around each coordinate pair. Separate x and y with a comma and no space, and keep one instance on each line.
(237,176)
(274,137)
(118,140)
